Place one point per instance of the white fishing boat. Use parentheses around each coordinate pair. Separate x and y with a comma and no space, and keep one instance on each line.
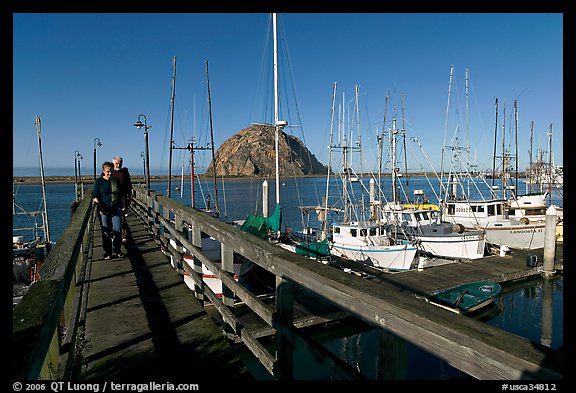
(361,236)
(370,243)
(491,215)
(475,204)
(425,228)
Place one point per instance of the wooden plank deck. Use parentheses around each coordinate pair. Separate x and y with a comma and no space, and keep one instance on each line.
(143,324)
(492,268)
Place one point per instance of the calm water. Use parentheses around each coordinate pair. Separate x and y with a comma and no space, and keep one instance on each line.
(531,308)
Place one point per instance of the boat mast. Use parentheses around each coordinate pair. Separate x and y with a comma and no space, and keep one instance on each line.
(504,155)
(445,131)
(171,126)
(325,223)
(45,214)
(359,140)
(276,125)
(550,173)
(467,141)
(494,150)
(393,137)
(404,140)
(212,140)
(530,168)
(516,136)
(380,150)
(342,144)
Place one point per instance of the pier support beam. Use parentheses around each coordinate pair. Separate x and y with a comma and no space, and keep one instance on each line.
(285,315)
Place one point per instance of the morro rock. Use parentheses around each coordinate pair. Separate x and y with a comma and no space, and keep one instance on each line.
(250,152)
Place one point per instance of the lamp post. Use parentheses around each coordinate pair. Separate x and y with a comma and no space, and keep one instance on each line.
(143,165)
(139,125)
(97,144)
(79,157)
(76,154)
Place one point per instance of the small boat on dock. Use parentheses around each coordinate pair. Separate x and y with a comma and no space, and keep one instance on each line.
(468,297)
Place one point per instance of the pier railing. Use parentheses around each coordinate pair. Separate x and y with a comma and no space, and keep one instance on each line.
(475,348)
(45,322)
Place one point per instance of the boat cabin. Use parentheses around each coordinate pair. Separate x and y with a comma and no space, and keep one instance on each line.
(494,208)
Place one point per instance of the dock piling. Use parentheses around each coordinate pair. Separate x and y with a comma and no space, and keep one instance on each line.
(550,241)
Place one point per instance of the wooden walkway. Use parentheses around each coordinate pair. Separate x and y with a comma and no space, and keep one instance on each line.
(142,323)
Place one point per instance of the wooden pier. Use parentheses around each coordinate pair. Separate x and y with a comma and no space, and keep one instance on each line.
(141,320)
(134,317)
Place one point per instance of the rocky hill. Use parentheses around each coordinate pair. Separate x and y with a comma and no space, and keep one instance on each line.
(250,152)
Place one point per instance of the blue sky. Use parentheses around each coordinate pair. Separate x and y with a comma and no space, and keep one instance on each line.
(89,75)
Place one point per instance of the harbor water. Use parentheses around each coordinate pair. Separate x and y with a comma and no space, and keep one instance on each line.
(531,308)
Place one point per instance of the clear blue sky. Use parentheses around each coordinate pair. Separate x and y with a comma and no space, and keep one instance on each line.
(89,75)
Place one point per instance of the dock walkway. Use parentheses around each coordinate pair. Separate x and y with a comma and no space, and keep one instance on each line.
(500,269)
(143,324)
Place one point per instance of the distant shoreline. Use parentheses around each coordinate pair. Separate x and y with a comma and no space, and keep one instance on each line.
(140,179)
(135,179)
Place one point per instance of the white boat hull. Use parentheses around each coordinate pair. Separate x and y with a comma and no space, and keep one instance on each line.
(396,257)
(464,246)
(520,237)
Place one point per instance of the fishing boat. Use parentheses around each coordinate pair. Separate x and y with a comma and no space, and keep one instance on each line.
(466,298)
(360,236)
(425,228)
(29,255)
(475,204)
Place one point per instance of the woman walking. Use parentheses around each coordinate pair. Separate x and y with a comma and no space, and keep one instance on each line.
(107,194)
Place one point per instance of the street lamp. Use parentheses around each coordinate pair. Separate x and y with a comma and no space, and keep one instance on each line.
(96,145)
(139,125)
(143,165)
(76,154)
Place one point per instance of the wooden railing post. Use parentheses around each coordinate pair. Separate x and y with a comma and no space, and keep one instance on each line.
(179,225)
(196,240)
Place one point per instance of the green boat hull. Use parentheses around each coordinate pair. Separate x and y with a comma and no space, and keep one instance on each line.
(468,297)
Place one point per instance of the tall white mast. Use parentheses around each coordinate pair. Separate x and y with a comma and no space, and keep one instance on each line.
(45,215)
(276,122)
